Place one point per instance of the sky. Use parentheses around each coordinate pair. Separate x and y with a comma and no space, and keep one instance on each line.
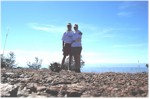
(113,31)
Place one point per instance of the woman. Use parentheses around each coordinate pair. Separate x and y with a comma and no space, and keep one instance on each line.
(76,47)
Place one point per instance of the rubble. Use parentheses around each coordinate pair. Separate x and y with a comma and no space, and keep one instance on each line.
(46,83)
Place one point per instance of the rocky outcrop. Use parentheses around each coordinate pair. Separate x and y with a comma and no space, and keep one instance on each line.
(45,83)
(8,90)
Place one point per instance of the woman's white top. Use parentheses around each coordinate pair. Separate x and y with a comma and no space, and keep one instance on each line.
(77,37)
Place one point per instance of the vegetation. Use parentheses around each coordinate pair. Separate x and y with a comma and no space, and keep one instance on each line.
(66,64)
(9,61)
(147,65)
(35,65)
(55,67)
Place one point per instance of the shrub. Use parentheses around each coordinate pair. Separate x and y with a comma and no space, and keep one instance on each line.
(35,65)
(9,61)
(66,64)
(55,67)
(147,65)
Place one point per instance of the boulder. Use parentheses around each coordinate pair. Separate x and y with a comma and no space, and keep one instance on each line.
(41,88)
(8,90)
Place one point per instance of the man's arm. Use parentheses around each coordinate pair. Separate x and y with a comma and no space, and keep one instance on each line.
(63,45)
(80,33)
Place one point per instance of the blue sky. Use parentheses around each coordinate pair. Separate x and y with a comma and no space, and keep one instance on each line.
(113,32)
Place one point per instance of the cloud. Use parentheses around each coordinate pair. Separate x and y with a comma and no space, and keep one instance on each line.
(124,14)
(129,45)
(93,31)
(127,5)
(126,9)
(47,27)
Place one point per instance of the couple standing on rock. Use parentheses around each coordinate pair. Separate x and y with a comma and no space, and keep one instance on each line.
(72,46)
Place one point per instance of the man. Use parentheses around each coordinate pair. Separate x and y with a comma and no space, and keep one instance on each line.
(66,43)
(76,47)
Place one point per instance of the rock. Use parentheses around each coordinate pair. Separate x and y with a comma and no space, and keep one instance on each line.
(63,91)
(24,80)
(8,90)
(86,94)
(39,83)
(32,87)
(53,90)
(95,93)
(34,95)
(41,88)
(109,88)
(9,73)
(3,79)
(75,90)
(49,79)
(22,76)
(73,93)
(23,92)
(134,93)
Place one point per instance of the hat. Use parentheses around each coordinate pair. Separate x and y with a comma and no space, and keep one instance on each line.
(69,24)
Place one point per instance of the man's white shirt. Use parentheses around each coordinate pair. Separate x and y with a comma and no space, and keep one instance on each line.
(67,36)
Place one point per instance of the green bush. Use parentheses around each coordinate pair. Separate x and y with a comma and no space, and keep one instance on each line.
(55,67)
(9,61)
(35,65)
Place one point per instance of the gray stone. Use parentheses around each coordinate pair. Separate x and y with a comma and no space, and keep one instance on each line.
(41,88)
(23,92)
(75,90)
(9,73)
(71,84)
(8,90)
(32,87)
(49,79)
(53,90)
(21,76)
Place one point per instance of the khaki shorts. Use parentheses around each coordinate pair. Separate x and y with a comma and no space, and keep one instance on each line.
(76,50)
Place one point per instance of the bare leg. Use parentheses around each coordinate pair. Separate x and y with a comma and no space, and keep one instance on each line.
(70,59)
(78,63)
(63,60)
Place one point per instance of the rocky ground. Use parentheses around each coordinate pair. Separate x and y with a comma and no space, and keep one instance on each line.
(45,83)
